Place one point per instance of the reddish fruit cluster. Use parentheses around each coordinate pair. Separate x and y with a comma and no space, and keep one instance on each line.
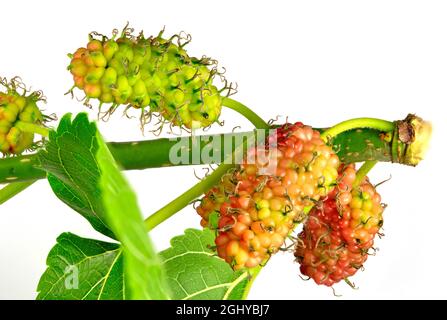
(255,210)
(338,234)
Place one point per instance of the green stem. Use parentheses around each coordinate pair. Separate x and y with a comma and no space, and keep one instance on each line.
(12,189)
(32,128)
(256,120)
(351,146)
(372,123)
(185,199)
(363,171)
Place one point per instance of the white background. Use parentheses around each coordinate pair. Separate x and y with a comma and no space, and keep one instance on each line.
(319,62)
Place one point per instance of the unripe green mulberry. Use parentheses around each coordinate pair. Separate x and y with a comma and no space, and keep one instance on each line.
(16,111)
(153,74)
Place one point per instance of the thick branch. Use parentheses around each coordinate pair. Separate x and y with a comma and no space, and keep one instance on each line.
(351,146)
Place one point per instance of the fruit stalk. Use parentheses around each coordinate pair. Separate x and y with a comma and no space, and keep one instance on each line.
(32,128)
(256,120)
(184,199)
(363,171)
(372,123)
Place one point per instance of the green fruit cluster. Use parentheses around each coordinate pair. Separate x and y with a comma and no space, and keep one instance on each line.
(17,110)
(153,74)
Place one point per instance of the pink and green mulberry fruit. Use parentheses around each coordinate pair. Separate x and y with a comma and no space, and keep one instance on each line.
(339,233)
(254,212)
(154,74)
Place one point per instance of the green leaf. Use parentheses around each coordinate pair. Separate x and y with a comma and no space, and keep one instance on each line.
(192,269)
(144,275)
(84,174)
(72,169)
(82,269)
(195,273)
